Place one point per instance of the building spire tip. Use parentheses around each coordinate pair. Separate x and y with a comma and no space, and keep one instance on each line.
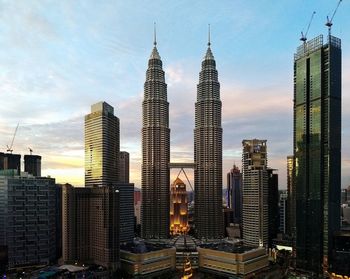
(209,35)
(155,35)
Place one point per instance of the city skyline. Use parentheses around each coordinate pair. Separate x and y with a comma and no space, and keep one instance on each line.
(58,63)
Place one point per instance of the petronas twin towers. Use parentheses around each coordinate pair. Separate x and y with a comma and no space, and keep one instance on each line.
(156,152)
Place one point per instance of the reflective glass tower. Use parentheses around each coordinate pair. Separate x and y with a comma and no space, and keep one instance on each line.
(208,152)
(101,146)
(317,143)
(155,152)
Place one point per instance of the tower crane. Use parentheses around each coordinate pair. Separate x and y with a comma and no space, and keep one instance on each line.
(9,148)
(303,36)
(329,22)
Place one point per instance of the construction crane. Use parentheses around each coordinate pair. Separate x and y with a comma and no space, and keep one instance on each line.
(9,148)
(304,36)
(329,22)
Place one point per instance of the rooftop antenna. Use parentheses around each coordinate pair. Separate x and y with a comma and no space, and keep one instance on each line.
(304,36)
(209,35)
(9,148)
(30,150)
(155,34)
(329,22)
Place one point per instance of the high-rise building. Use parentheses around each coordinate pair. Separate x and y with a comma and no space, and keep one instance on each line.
(291,210)
(101,146)
(317,149)
(28,219)
(283,196)
(155,152)
(126,206)
(9,161)
(255,193)
(178,208)
(90,219)
(234,193)
(273,209)
(124,167)
(32,164)
(208,152)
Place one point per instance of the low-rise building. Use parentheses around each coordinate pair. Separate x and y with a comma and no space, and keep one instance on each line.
(144,260)
(226,259)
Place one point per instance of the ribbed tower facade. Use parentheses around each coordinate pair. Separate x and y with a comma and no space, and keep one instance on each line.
(208,153)
(155,152)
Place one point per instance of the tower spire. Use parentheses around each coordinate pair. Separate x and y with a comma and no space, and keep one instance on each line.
(155,34)
(209,35)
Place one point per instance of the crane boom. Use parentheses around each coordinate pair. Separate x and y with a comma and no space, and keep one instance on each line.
(329,22)
(304,36)
(9,148)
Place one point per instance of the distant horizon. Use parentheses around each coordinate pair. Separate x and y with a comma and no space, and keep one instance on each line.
(58,60)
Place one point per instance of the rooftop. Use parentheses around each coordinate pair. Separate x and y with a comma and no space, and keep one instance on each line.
(140,247)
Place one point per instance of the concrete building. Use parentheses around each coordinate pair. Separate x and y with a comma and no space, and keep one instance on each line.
(341,253)
(124,166)
(273,209)
(101,146)
(126,205)
(90,218)
(178,208)
(28,219)
(9,161)
(317,150)
(155,177)
(234,193)
(208,153)
(227,260)
(283,197)
(291,210)
(32,164)
(255,193)
(145,260)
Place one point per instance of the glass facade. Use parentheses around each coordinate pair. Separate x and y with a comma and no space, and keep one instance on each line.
(101,146)
(317,142)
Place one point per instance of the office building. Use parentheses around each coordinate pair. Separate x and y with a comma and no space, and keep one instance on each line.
(178,208)
(273,209)
(282,204)
(28,219)
(255,193)
(208,153)
(124,166)
(234,193)
(291,210)
(231,261)
(317,150)
(126,194)
(344,196)
(146,260)
(155,152)
(32,164)
(101,146)
(9,161)
(90,219)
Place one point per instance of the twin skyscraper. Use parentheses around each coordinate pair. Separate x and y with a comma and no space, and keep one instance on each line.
(156,152)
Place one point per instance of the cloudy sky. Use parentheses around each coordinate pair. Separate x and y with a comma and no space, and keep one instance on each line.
(59,57)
